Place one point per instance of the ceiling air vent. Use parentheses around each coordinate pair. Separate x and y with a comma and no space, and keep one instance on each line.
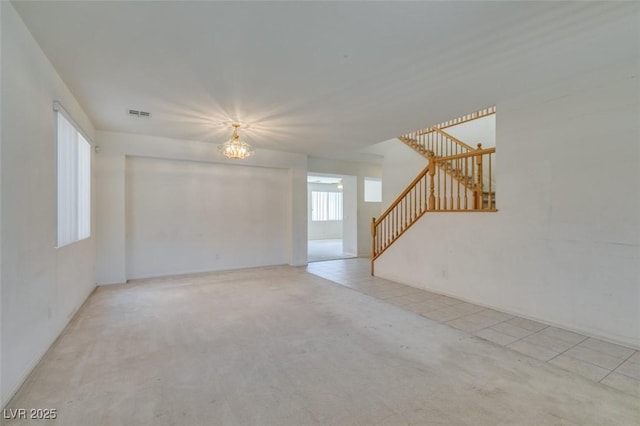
(139,114)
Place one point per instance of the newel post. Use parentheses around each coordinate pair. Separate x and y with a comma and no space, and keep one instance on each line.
(373,242)
(432,184)
(479,179)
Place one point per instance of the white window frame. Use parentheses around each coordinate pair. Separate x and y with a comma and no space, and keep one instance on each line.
(73,180)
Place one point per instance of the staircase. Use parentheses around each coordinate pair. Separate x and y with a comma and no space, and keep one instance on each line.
(442,145)
(458,178)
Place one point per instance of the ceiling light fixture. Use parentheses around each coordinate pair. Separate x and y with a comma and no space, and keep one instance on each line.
(234,147)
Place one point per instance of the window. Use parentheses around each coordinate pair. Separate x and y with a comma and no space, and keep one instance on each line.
(372,190)
(74,181)
(326,206)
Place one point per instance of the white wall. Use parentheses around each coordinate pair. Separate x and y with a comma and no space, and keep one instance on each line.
(356,171)
(373,189)
(322,230)
(564,247)
(187,216)
(481,130)
(42,286)
(400,167)
(351,192)
(111,202)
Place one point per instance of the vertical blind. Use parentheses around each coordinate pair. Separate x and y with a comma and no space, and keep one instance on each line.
(326,206)
(74,183)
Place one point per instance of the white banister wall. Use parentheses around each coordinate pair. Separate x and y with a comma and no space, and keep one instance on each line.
(564,247)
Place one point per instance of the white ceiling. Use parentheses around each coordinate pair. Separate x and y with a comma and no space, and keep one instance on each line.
(316,77)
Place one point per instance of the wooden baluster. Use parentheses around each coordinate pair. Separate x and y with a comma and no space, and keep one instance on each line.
(396,222)
(392,225)
(491,205)
(444,186)
(466,173)
(384,233)
(388,230)
(450,190)
(458,165)
(479,182)
(439,187)
(421,196)
(407,209)
(412,194)
(416,200)
(385,237)
(407,205)
(432,173)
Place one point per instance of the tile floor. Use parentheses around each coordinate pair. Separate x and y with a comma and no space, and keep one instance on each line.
(613,365)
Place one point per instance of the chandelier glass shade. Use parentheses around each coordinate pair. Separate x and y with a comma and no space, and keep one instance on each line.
(234,147)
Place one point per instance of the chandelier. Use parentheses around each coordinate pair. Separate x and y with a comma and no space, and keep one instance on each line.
(234,147)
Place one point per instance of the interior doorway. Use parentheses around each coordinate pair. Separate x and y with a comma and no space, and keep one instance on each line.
(332,217)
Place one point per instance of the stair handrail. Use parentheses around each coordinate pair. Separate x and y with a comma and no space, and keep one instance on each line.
(438,142)
(473,153)
(453,138)
(402,195)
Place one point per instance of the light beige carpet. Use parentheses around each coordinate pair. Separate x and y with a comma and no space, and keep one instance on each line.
(278,346)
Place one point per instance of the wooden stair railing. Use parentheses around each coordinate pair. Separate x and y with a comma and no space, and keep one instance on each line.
(442,144)
(436,142)
(401,214)
(455,183)
(484,112)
